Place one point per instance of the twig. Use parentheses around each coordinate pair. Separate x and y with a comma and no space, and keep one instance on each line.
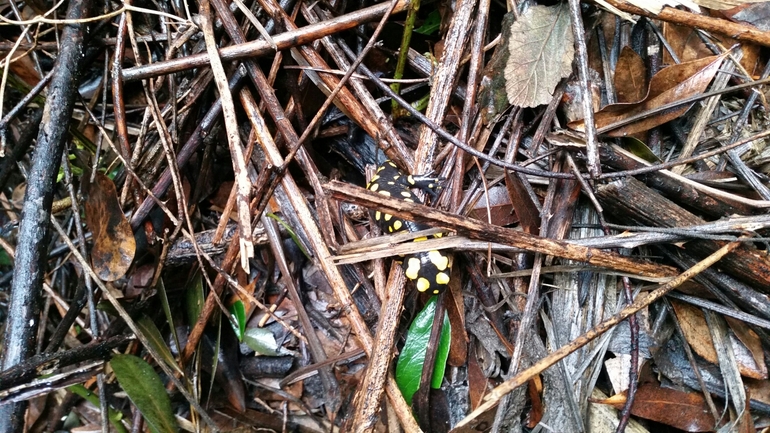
(741,32)
(488,232)
(592,147)
(255,49)
(443,82)
(639,303)
(242,183)
(31,255)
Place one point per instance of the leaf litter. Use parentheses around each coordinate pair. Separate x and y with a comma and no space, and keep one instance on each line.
(241,326)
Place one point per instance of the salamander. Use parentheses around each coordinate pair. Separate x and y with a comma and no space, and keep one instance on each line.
(429,270)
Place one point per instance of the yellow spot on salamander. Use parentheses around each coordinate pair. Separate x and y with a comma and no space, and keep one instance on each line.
(388,217)
(438,235)
(397,225)
(420,239)
(406,194)
(422,284)
(442,278)
(377,215)
(410,179)
(441,262)
(409,200)
(374,187)
(412,268)
(383,192)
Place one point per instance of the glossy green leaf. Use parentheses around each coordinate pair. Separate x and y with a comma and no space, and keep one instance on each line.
(412,356)
(145,389)
(238,313)
(431,24)
(148,328)
(262,341)
(442,353)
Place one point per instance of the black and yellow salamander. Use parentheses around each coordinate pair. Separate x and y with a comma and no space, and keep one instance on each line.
(429,270)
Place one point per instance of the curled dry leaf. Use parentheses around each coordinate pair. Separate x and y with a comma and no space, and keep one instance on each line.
(670,85)
(541,52)
(114,244)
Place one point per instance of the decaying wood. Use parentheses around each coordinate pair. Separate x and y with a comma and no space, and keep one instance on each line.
(630,200)
(677,191)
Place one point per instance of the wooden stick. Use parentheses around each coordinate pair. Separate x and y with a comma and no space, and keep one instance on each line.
(479,230)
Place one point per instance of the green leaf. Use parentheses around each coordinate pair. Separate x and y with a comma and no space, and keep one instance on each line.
(442,353)
(5,260)
(194,299)
(114,415)
(262,341)
(145,389)
(238,313)
(292,234)
(148,328)
(412,356)
(167,310)
(638,148)
(431,24)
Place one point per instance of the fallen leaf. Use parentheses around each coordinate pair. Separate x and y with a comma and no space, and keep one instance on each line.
(752,343)
(670,85)
(630,76)
(685,44)
(541,52)
(682,410)
(696,332)
(114,244)
(500,208)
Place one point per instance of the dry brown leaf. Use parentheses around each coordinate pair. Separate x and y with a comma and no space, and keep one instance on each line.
(685,44)
(670,85)
(696,332)
(752,342)
(500,208)
(114,244)
(630,77)
(522,202)
(682,410)
(541,51)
